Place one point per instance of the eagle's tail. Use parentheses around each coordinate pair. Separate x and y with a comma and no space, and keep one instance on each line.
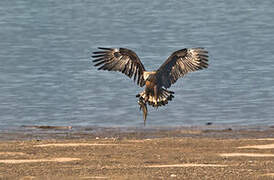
(144,98)
(163,97)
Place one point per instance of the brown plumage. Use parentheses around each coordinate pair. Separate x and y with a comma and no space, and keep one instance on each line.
(155,94)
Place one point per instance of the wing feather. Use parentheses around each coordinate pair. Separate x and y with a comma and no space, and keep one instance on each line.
(180,63)
(123,60)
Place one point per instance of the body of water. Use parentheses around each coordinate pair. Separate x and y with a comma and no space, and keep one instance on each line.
(47,77)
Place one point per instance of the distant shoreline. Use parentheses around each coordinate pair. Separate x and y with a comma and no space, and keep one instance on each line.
(29,132)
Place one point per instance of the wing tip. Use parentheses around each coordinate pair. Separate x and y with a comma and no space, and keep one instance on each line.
(97,56)
(104,48)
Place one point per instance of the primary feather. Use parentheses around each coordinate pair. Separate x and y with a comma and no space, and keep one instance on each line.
(123,60)
(180,63)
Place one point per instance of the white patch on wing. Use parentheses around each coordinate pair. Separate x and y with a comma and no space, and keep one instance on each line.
(145,74)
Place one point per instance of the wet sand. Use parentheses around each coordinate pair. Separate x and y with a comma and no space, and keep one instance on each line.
(174,153)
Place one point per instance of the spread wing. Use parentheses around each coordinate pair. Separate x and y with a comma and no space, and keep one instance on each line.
(180,63)
(123,60)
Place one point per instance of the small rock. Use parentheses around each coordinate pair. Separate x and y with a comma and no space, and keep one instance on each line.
(173,175)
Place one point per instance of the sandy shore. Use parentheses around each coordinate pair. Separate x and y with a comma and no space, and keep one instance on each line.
(177,153)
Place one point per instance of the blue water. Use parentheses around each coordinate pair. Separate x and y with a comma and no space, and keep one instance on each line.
(47,77)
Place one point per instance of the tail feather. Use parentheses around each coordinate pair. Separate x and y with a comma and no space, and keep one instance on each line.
(163,97)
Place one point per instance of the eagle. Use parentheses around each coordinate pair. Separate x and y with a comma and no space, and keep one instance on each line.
(156,83)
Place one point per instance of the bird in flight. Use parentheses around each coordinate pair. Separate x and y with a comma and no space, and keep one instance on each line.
(177,65)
